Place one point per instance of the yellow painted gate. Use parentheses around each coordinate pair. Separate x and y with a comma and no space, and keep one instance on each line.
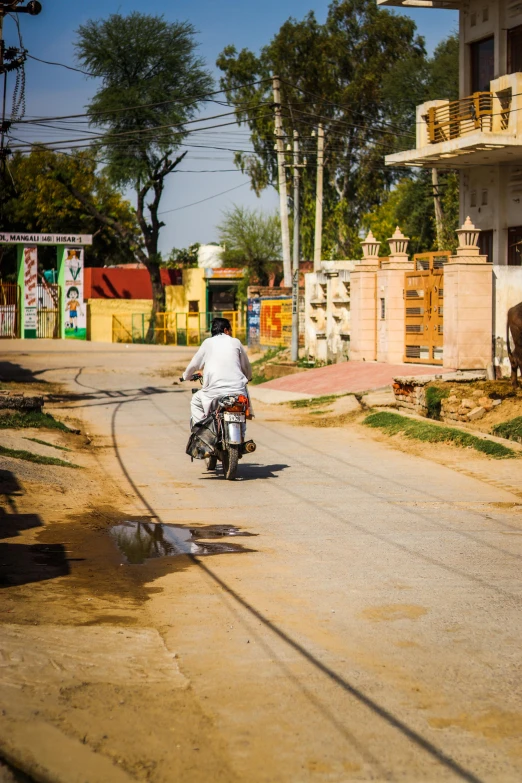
(424,309)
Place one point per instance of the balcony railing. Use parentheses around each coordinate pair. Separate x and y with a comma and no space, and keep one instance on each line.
(458,118)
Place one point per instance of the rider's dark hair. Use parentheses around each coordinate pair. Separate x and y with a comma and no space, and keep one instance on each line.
(219,325)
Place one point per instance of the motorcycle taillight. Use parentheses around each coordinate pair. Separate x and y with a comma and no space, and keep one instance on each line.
(243,399)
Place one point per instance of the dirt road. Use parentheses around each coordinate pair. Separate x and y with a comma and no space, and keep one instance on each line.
(361,624)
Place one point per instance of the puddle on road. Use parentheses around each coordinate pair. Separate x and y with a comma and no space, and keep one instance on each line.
(141,541)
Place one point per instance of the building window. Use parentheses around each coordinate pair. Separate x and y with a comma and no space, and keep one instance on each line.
(484,198)
(515,246)
(473,198)
(485,243)
(193,306)
(514,50)
(383,309)
(482,64)
(485,14)
(473,20)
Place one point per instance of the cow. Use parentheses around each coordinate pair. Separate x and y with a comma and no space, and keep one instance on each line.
(514,325)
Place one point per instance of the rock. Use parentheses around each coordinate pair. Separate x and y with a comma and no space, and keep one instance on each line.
(494,403)
(476,413)
(451,400)
(467,403)
(484,401)
(477,393)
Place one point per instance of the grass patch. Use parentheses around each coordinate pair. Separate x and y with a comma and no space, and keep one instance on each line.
(434,397)
(271,353)
(313,401)
(28,456)
(510,429)
(45,443)
(36,419)
(394,424)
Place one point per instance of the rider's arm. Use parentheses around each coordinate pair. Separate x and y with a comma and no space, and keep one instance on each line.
(245,364)
(196,363)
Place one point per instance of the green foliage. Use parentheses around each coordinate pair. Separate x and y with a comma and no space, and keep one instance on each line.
(510,429)
(33,419)
(410,206)
(331,72)
(395,424)
(182,258)
(434,397)
(152,81)
(28,456)
(252,240)
(36,200)
(314,401)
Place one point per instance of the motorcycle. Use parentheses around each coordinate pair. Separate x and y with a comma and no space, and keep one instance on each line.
(221,436)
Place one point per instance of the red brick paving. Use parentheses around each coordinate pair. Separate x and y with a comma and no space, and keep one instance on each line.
(348,377)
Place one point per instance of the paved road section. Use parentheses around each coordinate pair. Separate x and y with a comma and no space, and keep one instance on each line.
(348,377)
(370,631)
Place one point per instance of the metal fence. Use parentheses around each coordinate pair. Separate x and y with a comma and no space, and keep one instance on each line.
(172,328)
(49,311)
(9,310)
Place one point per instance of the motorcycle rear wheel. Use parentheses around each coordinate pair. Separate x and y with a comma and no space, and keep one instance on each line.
(211,462)
(230,460)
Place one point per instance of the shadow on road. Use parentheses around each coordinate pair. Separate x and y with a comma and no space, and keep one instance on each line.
(21,564)
(249,471)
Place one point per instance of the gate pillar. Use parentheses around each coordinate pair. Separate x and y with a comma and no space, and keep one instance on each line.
(390,300)
(27,258)
(468,305)
(363,322)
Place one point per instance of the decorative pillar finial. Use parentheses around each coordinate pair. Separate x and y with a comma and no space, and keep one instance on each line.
(398,244)
(370,248)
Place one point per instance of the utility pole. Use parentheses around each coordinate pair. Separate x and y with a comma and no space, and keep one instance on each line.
(439,215)
(296,254)
(283,198)
(318,237)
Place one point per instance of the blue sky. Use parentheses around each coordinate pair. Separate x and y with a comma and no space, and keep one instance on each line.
(52,90)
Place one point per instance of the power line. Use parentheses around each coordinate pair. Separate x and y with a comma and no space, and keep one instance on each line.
(194,203)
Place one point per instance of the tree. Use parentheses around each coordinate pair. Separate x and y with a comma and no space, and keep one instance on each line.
(152,83)
(331,73)
(410,83)
(252,240)
(38,202)
(182,258)
(410,206)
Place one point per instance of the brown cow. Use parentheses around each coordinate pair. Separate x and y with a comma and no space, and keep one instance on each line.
(514,325)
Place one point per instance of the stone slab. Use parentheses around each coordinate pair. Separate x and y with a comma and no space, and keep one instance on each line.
(99,654)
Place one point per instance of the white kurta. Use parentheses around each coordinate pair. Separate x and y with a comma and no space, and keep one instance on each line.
(226,370)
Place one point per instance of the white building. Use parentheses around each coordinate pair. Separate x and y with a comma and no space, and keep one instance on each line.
(481,133)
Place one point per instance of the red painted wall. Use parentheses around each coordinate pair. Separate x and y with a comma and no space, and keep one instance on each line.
(119,283)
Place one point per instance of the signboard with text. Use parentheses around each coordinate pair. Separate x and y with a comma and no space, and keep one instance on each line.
(30,303)
(45,239)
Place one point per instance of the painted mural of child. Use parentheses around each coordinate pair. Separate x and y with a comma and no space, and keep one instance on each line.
(73,306)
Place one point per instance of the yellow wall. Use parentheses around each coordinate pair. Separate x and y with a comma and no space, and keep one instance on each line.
(100,312)
(194,288)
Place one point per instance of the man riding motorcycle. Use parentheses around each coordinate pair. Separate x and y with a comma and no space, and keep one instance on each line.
(226,369)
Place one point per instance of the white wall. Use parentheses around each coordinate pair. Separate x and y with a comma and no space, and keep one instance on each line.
(507,291)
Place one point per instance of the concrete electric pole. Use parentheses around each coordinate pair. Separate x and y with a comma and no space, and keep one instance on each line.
(296,254)
(439,215)
(283,198)
(318,237)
